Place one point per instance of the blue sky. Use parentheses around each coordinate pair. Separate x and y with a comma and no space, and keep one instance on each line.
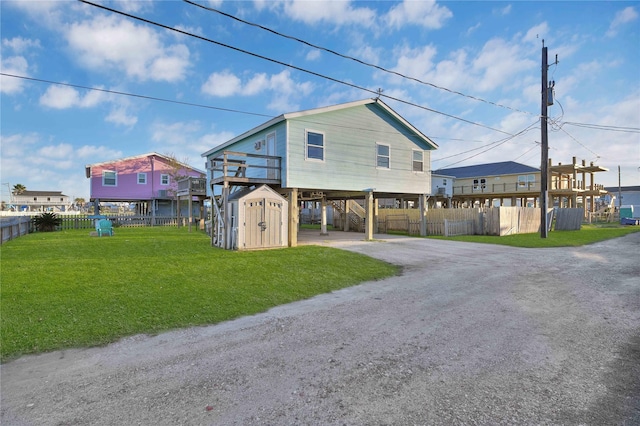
(479,66)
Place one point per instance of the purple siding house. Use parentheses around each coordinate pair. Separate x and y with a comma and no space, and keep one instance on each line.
(148,180)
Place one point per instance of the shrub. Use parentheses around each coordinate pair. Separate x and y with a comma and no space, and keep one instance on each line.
(46,222)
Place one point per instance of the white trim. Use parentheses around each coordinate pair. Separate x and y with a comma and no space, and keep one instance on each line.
(378,156)
(141,174)
(168,179)
(306,145)
(413,151)
(115,175)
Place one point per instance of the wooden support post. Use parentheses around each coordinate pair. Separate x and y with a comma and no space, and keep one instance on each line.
(323,217)
(190,209)
(226,213)
(346,215)
(293,217)
(423,206)
(178,211)
(369,216)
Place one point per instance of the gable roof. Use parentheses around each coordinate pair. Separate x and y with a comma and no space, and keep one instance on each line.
(135,157)
(489,169)
(291,115)
(41,193)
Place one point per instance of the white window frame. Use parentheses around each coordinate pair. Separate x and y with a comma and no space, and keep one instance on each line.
(323,147)
(115,177)
(162,179)
(382,156)
(414,161)
(142,181)
(522,181)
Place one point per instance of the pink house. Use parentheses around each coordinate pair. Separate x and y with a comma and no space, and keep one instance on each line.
(148,180)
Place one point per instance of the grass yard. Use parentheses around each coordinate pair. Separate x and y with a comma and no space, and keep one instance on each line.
(587,235)
(65,289)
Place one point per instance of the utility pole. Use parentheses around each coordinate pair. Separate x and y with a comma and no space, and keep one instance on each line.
(547,88)
(544,161)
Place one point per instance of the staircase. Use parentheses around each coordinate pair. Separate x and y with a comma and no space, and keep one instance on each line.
(355,213)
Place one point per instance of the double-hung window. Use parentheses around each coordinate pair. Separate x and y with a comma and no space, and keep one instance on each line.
(314,145)
(418,161)
(164,179)
(142,178)
(383,156)
(109,178)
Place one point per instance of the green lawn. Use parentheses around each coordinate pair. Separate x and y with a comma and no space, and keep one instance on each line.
(587,235)
(66,289)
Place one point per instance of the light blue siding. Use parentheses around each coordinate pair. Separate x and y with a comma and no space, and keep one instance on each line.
(350,153)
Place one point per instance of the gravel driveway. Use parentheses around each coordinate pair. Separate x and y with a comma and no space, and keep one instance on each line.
(468,334)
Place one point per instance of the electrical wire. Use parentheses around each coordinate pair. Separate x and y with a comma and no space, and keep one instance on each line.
(115,92)
(256,55)
(360,61)
(493,146)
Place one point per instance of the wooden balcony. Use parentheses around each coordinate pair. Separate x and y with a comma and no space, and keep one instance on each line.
(244,169)
(192,186)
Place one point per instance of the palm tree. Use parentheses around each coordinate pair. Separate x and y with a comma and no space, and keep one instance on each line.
(18,189)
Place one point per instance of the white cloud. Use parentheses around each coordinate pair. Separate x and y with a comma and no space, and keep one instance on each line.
(416,62)
(120,116)
(63,97)
(426,13)
(222,84)
(313,55)
(624,16)
(16,65)
(97,153)
(503,11)
(537,34)
(498,63)
(338,12)
(107,43)
(283,87)
(20,44)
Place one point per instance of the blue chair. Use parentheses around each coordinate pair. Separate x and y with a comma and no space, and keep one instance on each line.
(104,227)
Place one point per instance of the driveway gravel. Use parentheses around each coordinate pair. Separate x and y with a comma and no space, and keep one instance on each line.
(467,334)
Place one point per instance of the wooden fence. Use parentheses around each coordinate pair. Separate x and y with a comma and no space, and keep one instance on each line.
(450,222)
(14,227)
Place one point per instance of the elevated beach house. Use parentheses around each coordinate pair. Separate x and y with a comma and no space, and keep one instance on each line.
(361,150)
(151,181)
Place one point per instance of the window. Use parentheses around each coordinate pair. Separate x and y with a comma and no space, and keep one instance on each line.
(532,181)
(418,161)
(479,184)
(315,145)
(444,182)
(109,178)
(383,156)
(142,178)
(164,179)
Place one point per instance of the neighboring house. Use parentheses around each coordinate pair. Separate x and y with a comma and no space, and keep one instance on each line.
(515,184)
(149,181)
(360,150)
(441,190)
(484,184)
(41,201)
(623,195)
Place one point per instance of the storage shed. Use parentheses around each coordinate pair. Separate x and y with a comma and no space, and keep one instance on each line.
(259,219)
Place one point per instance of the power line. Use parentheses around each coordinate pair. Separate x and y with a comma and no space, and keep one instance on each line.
(153,98)
(360,61)
(256,55)
(604,127)
(491,146)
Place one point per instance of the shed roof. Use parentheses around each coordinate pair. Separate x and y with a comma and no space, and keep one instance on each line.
(291,115)
(489,169)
